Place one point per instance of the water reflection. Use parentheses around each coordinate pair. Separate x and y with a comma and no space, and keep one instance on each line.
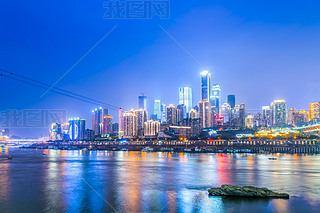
(100,181)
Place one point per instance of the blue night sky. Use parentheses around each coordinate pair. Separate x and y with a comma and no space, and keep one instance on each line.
(257,50)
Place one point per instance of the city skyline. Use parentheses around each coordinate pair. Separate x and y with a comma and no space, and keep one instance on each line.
(187,120)
(245,52)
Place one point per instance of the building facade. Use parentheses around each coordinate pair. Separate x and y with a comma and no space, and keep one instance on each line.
(205,114)
(185,98)
(205,85)
(279,113)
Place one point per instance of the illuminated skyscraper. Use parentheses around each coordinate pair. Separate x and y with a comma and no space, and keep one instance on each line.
(107,124)
(151,128)
(249,122)
(279,113)
(130,124)
(120,120)
(98,120)
(291,115)
(226,112)
(77,127)
(193,114)
(142,117)
(242,115)
(55,132)
(163,113)
(181,112)
(172,115)
(305,115)
(267,116)
(142,101)
(205,85)
(314,110)
(232,101)
(215,98)
(185,98)
(157,109)
(205,114)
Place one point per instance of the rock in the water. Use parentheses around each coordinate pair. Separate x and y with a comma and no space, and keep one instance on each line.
(246,191)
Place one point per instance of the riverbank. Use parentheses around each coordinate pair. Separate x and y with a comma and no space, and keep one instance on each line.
(196,147)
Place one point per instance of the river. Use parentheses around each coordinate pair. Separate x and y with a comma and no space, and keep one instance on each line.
(103,181)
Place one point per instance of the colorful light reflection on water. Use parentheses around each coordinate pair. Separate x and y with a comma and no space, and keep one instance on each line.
(101,181)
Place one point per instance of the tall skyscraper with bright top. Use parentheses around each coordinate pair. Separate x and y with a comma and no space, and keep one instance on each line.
(205,78)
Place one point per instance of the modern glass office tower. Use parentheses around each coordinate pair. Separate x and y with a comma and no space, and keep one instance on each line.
(97,120)
(215,98)
(232,101)
(185,98)
(157,109)
(205,85)
(142,101)
(77,128)
(279,113)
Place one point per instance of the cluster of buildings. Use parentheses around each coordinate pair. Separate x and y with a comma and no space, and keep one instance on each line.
(186,120)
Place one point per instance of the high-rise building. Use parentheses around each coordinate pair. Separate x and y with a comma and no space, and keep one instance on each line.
(235,114)
(142,101)
(151,128)
(305,115)
(267,116)
(181,112)
(249,122)
(279,113)
(242,115)
(232,101)
(55,132)
(157,109)
(185,98)
(291,115)
(77,128)
(226,112)
(299,120)
(115,127)
(215,98)
(163,109)
(130,124)
(205,85)
(142,117)
(121,123)
(98,120)
(65,130)
(193,114)
(107,124)
(314,110)
(205,114)
(89,134)
(258,120)
(172,115)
